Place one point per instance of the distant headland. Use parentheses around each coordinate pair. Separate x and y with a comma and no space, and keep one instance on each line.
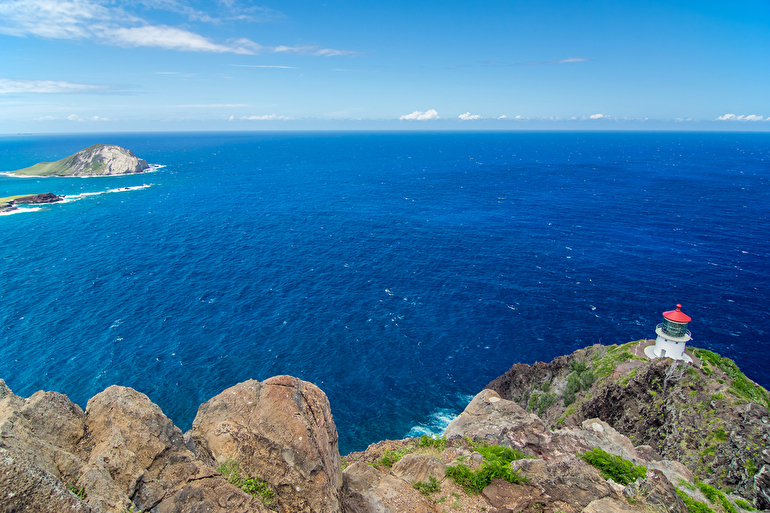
(96,160)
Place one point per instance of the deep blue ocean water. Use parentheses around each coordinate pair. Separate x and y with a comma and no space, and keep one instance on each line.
(400,272)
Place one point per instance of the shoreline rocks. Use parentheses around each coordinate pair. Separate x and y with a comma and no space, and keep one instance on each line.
(32,199)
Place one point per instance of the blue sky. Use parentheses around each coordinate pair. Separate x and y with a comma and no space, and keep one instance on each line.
(124,65)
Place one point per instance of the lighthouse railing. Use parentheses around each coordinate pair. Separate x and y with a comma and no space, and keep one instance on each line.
(682,334)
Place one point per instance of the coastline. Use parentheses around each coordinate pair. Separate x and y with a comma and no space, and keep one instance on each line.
(278,429)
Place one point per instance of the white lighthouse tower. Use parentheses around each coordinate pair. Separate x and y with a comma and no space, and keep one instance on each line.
(673,336)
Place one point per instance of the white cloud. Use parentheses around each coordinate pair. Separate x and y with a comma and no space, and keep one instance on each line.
(421,116)
(74,117)
(86,19)
(97,118)
(45,118)
(170,38)
(468,116)
(742,117)
(597,116)
(45,86)
(267,117)
(503,117)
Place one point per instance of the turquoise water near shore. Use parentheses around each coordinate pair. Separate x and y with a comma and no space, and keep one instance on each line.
(400,272)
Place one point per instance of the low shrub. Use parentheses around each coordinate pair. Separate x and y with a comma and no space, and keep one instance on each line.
(231,471)
(438,442)
(497,466)
(427,487)
(693,506)
(610,466)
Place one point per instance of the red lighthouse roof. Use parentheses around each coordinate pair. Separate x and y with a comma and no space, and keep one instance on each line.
(677,315)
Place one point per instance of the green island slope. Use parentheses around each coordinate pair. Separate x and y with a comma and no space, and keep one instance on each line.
(96,160)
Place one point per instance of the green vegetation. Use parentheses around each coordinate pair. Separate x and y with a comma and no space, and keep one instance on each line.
(540,402)
(427,488)
(715,496)
(391,457)
(61,167)
(79,492)
(744,504)
(581,378)
(610,466)
(604,365)
(741,385)
(438,443)
(8,199)
(693,506)
(231,471)
(497,466)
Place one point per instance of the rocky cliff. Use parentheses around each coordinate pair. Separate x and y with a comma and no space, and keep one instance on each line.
(272,446)
(96,160)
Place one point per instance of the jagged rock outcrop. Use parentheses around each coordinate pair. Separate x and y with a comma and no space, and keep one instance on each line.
(281,431)
(121,453)
(96,160)
(706,415)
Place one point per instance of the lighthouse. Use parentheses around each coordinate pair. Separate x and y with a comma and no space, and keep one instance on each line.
(673,336)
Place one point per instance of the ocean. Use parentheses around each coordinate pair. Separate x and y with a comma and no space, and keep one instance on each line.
(399,272)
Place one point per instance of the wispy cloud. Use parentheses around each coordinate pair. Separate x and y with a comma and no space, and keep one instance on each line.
(261,66)
(212,105)
(733,117)
(421,116)
(468,116)
(267,117)
(46,86)
(560,61)
(86,19)
(311,50)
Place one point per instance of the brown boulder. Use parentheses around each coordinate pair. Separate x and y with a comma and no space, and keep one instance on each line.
(280,431)
(499,421)
(136,453)
(414,468)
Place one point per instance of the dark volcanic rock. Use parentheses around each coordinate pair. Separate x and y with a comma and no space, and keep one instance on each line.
(47,197)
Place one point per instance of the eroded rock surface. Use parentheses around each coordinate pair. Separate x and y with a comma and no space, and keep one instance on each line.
(281,431)
(121,453)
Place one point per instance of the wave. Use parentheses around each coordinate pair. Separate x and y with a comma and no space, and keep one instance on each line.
(153,168)
(436,424)
(83,195)
(21,209)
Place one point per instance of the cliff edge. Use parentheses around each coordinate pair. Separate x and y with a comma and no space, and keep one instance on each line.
(273,446)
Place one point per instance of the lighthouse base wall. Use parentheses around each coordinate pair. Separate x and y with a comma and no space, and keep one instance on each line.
(669,348)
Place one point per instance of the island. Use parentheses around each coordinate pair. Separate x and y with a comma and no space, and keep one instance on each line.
(96,160)
(8,204)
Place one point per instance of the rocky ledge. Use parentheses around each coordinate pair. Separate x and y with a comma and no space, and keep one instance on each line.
(96,160)
(272,446)
(9,204)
